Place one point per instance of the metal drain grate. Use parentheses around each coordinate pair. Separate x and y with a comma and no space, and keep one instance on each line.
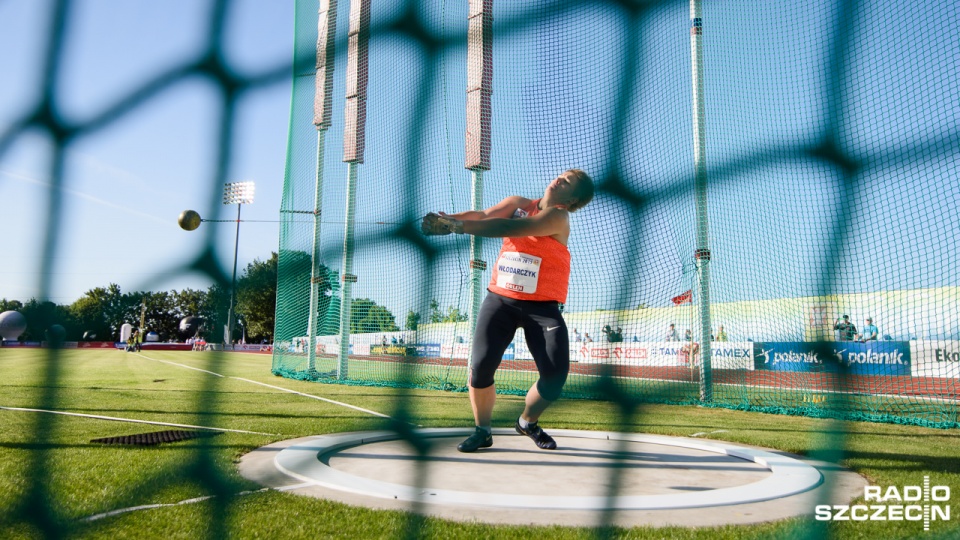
(156,437)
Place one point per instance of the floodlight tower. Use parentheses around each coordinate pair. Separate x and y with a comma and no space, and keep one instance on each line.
(238,193)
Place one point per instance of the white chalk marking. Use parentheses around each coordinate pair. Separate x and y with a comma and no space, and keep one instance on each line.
(134,421)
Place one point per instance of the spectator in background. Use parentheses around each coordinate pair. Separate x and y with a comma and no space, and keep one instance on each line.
(688,335)
(587,338)
(870,331)
(721,334)
(613,336)
(845,329)
(672,334)
(576,336)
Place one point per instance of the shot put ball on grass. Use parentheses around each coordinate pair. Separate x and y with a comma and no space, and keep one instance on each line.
(189,220)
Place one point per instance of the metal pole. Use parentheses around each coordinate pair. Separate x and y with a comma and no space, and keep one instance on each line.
(315,277)
(347,273)
(143,316)
(228,334)
(702,253)
(477,266)
(478,135)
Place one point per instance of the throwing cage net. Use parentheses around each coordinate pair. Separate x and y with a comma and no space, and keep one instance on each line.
(763,169)
(769,178)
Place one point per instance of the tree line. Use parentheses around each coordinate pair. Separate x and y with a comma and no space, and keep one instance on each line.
(101,312)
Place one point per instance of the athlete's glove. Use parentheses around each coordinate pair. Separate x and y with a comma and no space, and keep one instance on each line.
(440,224)
(435,225)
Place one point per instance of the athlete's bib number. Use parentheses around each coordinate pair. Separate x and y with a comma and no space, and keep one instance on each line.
(518,272)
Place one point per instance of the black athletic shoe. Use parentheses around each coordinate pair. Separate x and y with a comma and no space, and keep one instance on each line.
(479,439)
(534,432)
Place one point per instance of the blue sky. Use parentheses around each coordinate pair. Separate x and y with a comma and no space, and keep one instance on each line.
(561,90)
(126,183)
(774,94)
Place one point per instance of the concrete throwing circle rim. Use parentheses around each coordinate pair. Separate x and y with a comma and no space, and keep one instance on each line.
(788,476)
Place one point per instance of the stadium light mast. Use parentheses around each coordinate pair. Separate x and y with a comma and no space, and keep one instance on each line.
(701,254)
(238,193)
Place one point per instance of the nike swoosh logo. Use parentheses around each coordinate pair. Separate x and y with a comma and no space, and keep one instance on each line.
(549,328)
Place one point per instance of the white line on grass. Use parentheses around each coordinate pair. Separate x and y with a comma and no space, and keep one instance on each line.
(311,396)
(181,365)
(135,421)
(354,407)
(119,511)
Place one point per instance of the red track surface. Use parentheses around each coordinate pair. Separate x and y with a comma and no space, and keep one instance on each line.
(815,382)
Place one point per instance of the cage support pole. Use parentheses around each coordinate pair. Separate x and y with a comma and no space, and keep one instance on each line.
(315,274)
(479,90)
(702,253)
(355,115)
(322,113)
(477,266)
(347,275)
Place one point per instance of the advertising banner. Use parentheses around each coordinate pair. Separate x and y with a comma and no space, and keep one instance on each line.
(427,350)
(455,350)
(890,358)
(331,348)
(394,350)
(95,345)
(251,347)
(462,350)
(153,346)
(732,355)
(633,353)
(521,351)
(30,344)
(935,359)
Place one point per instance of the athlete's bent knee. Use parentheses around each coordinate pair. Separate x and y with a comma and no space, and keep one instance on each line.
(551,387)
(479,379)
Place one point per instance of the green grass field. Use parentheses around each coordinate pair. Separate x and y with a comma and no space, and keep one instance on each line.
(52,478)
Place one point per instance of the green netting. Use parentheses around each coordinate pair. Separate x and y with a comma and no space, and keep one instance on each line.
(831,158)
(830,164)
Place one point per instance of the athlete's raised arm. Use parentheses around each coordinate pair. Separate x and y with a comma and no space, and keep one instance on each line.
(549,222)
(503,209)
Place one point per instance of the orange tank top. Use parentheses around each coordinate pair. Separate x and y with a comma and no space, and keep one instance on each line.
(531,267)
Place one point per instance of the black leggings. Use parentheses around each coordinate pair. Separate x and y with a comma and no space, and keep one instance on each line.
(546,334)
